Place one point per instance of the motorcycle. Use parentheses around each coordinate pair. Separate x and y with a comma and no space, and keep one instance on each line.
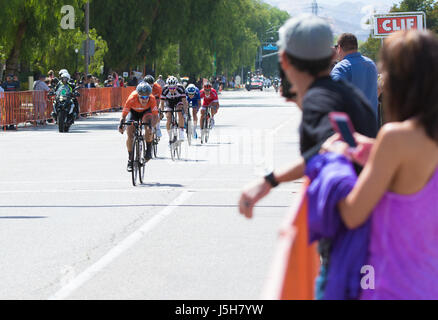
(64,106)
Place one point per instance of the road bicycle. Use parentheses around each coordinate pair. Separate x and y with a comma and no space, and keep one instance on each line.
(138,155)
(189,124)
(205,132)
(174,142)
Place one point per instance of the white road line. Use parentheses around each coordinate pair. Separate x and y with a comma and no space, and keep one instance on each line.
(123,246)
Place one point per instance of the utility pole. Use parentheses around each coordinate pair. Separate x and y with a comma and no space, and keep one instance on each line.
(315,7)
(87,29)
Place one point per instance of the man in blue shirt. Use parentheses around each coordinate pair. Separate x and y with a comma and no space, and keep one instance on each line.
(355,68)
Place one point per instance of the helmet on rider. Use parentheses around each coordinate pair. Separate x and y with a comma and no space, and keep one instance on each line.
(191,89)
(65,76)
(149,79)
(144,89)
(62,71)
(172,81)
(207,85)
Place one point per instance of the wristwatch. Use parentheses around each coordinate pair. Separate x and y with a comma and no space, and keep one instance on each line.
(271,179)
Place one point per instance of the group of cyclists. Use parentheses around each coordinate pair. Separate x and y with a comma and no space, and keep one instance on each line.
(150,102)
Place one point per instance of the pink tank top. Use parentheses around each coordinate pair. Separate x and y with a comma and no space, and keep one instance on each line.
(403,246)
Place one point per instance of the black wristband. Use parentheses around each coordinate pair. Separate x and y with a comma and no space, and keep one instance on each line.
(271,179)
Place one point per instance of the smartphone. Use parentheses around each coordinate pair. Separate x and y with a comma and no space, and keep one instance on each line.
(341,123)
(285,85)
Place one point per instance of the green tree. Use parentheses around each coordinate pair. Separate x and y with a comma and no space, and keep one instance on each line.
(28,26)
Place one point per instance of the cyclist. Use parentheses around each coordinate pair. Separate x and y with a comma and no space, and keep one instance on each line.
(211,100)
(173,98)
(156,92)
(140,104)
(194,97)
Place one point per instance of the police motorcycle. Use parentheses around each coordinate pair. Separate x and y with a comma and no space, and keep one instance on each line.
(64,106)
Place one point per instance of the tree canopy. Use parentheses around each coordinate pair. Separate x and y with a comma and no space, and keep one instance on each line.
(186,37)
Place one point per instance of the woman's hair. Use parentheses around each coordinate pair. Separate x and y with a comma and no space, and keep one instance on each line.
(410,67)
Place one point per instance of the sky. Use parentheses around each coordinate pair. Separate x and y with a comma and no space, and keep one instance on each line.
(303,5)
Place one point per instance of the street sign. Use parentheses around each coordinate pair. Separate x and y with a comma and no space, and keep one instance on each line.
(385,24)
(270,47)
(90,48)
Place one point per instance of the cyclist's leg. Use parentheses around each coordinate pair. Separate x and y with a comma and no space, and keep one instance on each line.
(195,120)
(201,123)
(130,136)
(179,108)
(148,121)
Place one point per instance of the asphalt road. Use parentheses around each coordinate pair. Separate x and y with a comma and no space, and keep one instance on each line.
(72,226)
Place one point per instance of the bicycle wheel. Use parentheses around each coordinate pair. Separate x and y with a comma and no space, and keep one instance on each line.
(155,145)
(207,127)
(178,150)
(134,161)
(189,131)
(172,143)
(141,159)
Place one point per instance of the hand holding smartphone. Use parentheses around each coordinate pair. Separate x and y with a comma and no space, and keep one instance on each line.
(341,123)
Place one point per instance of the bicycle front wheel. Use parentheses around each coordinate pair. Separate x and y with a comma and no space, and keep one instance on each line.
(189,132)
(134,157)
(141,160)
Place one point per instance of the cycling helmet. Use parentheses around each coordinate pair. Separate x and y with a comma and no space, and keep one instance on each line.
(149,79)
(191,89)
(207,85)
(172,81)
(144,89)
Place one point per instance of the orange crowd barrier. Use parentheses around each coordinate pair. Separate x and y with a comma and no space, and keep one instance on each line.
(296,263)
(34,106)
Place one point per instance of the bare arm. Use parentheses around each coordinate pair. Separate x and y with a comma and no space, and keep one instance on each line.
(374,180)
(260,188)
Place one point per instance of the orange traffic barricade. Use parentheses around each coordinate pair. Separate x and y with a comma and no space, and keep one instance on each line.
(296,263)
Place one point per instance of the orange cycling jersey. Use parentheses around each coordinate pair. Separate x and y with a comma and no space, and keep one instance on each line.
(156,91)
(133,103)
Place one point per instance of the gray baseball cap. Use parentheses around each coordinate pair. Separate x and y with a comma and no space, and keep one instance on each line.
(306,37)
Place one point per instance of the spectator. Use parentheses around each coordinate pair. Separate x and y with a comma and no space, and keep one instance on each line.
(115,79)
(51,79)
(306,54)
(39,97)
(121,82)
(133,82)
(2,96)
(355,68)
(10,84)
(90,82)
(397,188)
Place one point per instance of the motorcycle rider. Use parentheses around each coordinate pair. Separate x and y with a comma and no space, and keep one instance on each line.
(174,97)
(140,104)
(72,85)
(64,81)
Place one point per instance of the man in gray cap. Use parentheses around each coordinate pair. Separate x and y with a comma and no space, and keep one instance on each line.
(306,53)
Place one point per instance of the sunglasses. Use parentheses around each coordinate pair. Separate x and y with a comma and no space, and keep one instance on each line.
(172,88)
(144,97)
